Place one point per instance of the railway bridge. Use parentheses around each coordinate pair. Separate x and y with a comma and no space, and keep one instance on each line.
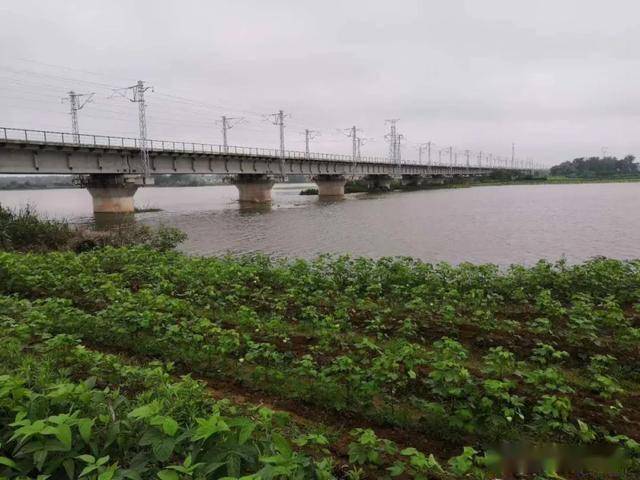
(113,168)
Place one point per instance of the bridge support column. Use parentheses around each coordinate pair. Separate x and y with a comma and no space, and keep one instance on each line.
(433,180)
(379,183)
(254,188)
(112,193)
(330,186)
(411,181)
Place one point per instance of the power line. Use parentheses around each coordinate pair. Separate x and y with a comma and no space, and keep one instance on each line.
(362,141)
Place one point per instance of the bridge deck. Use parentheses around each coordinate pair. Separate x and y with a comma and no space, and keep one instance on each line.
(42,152)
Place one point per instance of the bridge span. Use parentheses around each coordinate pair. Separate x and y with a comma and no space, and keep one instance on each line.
(112,168)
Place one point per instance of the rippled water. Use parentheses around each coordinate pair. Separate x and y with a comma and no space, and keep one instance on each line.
(507,224)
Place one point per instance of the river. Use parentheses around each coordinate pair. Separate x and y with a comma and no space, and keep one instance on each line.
(502,224)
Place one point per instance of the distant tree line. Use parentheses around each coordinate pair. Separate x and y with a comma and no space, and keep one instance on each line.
(187,180)
(597,167)
(25,182)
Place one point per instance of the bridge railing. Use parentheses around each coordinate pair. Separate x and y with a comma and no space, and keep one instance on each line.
(107,141)
(89,140)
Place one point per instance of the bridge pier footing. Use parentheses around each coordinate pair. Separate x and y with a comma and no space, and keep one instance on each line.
(254,188)
(411,181)
(112,193)
(379,183)
(330,186)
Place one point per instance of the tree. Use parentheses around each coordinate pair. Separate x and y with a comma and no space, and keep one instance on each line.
(596,167)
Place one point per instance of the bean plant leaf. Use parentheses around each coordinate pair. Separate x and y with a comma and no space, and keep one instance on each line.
(145,411)
(163,449)
(7,462)
(169,426)
(84,427)
(63,433)
(168,475)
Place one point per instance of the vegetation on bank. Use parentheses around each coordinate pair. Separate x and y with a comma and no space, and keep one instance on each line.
(26,230)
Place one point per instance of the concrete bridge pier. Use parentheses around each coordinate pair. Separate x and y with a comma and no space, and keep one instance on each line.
(434,180)
(330,186)
(379,183)
(254,187)
(112,193)
(411,181)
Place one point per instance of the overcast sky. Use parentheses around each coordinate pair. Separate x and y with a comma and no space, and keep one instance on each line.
(559,78)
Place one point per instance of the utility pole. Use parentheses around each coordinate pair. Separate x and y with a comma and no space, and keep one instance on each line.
(76,103)
(137,96)
(480,159)
(227,123)
(513,155)
(467,155)
(399,139)
(309,135)
(362,141)
(422,147)
(278,119)
(352,133)
(392,138)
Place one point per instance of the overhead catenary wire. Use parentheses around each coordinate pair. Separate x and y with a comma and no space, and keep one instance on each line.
(188,114)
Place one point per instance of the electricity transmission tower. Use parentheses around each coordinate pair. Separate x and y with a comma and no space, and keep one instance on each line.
(77,103)
(227,123)
(278,119)
(308,136)
(399,138)
(394,140)
(421,148)
(137,92)
(352,133)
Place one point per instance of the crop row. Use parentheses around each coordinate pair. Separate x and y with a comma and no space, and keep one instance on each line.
(464,355)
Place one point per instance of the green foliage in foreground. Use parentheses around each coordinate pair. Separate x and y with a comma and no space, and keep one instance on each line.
(454,357)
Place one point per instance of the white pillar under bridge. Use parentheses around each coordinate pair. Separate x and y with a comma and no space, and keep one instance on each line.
(330,186)
(112,193)
(254,188)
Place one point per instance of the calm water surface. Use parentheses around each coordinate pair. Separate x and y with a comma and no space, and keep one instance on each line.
(503,225)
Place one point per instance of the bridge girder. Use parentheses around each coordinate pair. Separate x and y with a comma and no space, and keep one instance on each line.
(32,158)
